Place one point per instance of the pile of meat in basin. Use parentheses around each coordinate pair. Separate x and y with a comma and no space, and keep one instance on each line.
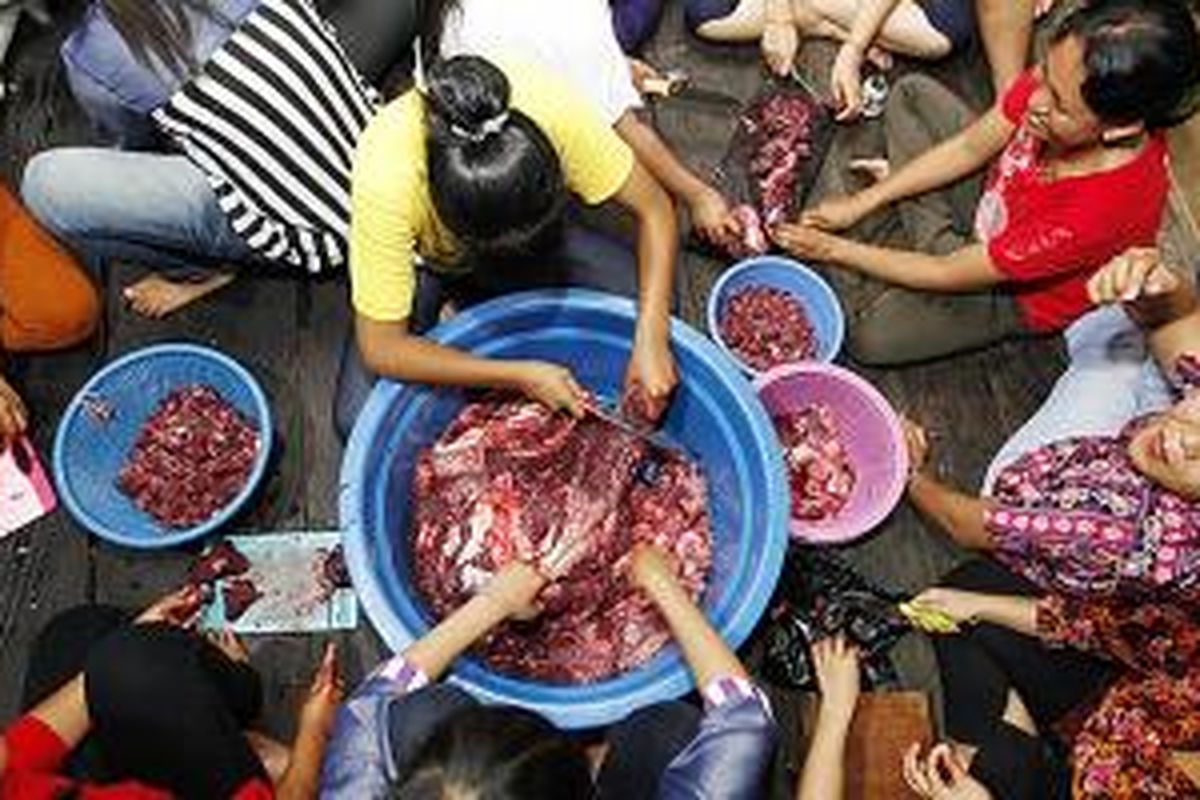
(191,458)
(510,479)
(766,327)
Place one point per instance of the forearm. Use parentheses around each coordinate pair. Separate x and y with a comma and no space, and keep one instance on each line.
(659,159)
(707,654)
(65,712)
(657,249)
(1010,611)
(823,777)
(419,360)
(434,652)
(302,780)
(962,271)
(961,515)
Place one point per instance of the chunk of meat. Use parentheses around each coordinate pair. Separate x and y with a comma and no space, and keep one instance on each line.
(522,480)
(191,458)
(239,594)
(222,560)
(820,472)
(767,327)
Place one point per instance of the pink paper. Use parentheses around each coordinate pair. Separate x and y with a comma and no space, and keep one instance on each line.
(25,492)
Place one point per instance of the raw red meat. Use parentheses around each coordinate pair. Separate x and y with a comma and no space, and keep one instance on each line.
(239,594)
(191,458)
(780,130)
(222,560)
(509,480)
(753,241)
(334,572)
(820,472)
(767,327)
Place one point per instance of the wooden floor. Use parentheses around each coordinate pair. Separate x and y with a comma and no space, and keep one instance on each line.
(290,332)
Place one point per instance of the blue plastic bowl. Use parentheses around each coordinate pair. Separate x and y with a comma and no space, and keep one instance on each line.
(715,415)
(819,301)
(89,451)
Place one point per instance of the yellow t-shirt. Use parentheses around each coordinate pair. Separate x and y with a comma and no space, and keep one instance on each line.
(393,219)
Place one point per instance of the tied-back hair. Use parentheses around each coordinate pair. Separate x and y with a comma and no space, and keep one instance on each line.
(494,176)
(159,30)
(1141,59)
(496,753)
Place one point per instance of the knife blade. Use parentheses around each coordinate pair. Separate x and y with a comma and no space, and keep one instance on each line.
(651,437)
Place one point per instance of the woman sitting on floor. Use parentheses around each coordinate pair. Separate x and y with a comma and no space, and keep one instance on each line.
(236,119)
(151,710)
(1097,494)
(46,301)
(572,38)
(399,737)
(1080,175)
(1118,676)
(462,187)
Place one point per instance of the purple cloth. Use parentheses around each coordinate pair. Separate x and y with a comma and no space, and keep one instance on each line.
(634,21)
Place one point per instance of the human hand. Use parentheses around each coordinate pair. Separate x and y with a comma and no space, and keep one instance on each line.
(960,606)
(836,663)
(713,218)
(805,241)
(916,441)
(650,565)
(181,608)
(941,775)
(780,43)
(515,588)
(651,372)
(648,79)
(845,80)
(836,213)
(14,418)
(552,385)
(1138,273)
(228,643)
(320,706)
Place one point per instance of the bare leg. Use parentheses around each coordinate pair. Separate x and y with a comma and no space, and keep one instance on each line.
(1006,27)
(156,296)
(743,24)
(905,31)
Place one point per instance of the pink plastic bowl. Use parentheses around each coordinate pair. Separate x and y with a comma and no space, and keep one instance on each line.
(870,430)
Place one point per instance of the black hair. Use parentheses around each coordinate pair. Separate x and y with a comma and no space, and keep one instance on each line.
(432,23)
(496,753)
(159,30)
(494,177)
(1141,58)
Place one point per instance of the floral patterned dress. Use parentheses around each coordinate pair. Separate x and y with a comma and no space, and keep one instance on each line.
(1077,517)
(1126,746)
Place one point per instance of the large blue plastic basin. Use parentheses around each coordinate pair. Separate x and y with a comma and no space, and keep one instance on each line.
(715,415)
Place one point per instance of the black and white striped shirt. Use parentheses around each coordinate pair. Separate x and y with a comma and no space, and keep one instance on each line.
(273,119)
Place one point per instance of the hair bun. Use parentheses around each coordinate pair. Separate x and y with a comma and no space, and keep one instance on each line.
(468,98)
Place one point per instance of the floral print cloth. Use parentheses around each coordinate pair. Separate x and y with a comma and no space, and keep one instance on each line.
(1077,517)
(1126,748)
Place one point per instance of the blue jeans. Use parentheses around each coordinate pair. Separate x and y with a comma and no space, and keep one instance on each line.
(584,258)
(148,208)
(1111,379)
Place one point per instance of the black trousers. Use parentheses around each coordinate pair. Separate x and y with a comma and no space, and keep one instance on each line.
(980,666)
(167,707)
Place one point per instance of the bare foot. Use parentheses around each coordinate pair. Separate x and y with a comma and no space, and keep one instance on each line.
(155,296)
